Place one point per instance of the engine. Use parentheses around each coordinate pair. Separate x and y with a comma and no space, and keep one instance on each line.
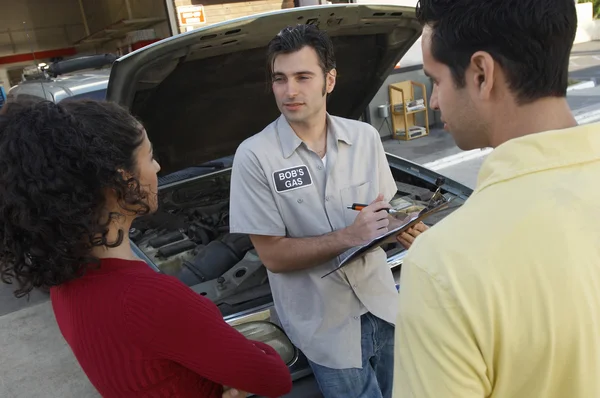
(188,238)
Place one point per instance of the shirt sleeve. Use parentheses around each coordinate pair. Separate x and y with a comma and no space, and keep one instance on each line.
(175,323)
(436,353)
(387,184)
(253,209)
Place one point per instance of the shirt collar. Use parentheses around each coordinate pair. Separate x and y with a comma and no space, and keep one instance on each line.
(290,141)
(538,152)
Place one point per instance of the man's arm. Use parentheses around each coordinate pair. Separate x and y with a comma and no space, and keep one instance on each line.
(281,254)
(436,353)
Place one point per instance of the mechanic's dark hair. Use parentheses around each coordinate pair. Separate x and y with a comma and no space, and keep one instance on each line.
(530,39)
(57,161)
(294,38)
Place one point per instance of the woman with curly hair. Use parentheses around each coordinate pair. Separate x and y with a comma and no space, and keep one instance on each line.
(73,177)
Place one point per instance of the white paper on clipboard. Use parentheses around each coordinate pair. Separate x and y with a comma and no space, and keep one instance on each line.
(397,225)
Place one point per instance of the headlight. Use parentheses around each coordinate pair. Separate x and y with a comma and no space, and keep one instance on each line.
(271,334)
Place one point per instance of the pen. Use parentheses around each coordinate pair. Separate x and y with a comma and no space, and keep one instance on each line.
(360,206)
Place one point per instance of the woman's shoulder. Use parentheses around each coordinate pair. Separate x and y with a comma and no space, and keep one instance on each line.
(158,293)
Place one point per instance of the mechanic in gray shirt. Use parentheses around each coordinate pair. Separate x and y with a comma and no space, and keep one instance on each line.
(290,188)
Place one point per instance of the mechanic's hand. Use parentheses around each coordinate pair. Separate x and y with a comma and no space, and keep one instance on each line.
(229,392)
(408,237)
(371,222)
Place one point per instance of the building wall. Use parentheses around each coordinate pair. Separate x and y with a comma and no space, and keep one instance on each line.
(28,26)
(588,28)
(37,25)
(217,11)
(101,13)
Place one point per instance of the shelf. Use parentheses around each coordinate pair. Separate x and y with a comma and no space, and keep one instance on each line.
(409,112)
(406,121)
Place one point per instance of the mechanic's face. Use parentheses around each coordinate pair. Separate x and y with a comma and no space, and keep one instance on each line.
(459,112)
(300,86)
(148,169)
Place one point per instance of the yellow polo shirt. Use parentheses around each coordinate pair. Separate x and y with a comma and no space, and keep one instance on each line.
(502,298)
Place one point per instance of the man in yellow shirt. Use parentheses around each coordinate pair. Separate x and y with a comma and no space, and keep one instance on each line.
(502,298)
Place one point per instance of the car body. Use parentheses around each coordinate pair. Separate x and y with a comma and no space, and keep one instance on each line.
(199,95)
(89,84)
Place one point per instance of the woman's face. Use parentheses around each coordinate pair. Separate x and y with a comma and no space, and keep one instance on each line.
(148,169)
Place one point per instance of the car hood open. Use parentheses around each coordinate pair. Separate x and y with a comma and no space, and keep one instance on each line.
(201,93)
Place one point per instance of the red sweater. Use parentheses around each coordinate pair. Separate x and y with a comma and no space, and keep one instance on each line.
(137,333)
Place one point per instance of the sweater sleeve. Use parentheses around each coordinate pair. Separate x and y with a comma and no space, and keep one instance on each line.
(179,324)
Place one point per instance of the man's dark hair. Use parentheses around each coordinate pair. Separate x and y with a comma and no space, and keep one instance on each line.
(530,39)
(294,38)
(57,161)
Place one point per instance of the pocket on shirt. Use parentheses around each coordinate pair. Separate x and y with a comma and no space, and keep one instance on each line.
(357,193)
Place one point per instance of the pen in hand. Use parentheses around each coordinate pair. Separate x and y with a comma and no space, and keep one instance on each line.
(360,206)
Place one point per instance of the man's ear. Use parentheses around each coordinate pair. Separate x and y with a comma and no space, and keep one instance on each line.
(330,80)
(482,73)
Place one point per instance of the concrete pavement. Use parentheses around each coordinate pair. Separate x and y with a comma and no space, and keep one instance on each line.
(35,360)
(8,303)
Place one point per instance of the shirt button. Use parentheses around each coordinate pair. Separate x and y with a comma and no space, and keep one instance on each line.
(320,167)
(355,317)
(354,285)
(300,201)
(327,198)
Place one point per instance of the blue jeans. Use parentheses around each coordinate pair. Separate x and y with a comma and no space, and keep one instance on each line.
(375,379)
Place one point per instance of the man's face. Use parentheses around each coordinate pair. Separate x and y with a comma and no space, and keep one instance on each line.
(299,85)
(459,112)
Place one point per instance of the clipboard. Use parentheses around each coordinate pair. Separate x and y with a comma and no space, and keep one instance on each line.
(397,227)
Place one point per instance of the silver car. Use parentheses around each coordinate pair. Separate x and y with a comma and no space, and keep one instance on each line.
(82,77)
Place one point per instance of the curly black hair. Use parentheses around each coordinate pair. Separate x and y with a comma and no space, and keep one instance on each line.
(57,161)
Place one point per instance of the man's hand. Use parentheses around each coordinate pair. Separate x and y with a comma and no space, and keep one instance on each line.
(371,222)
(408,237)
(229,392)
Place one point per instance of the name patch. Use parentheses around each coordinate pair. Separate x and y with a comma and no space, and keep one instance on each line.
(292,178)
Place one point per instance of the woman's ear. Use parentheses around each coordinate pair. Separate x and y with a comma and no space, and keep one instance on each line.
(126,175)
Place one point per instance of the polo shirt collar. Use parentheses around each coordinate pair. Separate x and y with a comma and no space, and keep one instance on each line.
(539,152)
(290,141)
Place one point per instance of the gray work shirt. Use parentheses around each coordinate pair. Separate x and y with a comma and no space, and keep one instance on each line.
(279,187)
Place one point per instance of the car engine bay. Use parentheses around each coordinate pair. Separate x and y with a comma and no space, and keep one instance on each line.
(189,238)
